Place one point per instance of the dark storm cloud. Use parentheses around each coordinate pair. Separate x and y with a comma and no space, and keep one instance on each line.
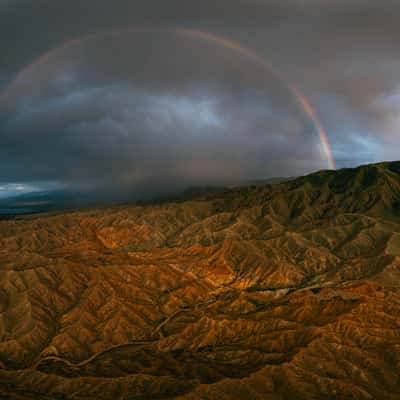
(144,111)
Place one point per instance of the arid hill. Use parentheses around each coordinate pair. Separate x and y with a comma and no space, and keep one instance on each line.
(286,291)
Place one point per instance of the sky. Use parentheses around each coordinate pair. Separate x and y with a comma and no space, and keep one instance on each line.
(128,99)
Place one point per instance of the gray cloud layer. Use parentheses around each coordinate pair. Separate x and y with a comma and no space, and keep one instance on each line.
(148,111)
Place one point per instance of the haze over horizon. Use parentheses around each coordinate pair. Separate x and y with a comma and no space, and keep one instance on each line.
(136,98)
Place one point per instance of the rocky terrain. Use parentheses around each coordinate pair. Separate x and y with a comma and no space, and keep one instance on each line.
(284,291)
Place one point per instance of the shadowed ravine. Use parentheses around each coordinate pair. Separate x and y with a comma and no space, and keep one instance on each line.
(277,291)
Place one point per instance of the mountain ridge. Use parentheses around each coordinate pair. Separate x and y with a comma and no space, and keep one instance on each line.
(278,291)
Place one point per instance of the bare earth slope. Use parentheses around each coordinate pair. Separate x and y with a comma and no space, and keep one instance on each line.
(287,291)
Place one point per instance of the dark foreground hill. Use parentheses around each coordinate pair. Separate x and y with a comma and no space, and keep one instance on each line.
(286,291)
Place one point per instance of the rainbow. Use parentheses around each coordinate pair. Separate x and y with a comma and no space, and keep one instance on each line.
(211,37)
(301,99)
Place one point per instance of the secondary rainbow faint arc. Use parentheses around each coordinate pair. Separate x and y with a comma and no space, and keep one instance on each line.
(222,41)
